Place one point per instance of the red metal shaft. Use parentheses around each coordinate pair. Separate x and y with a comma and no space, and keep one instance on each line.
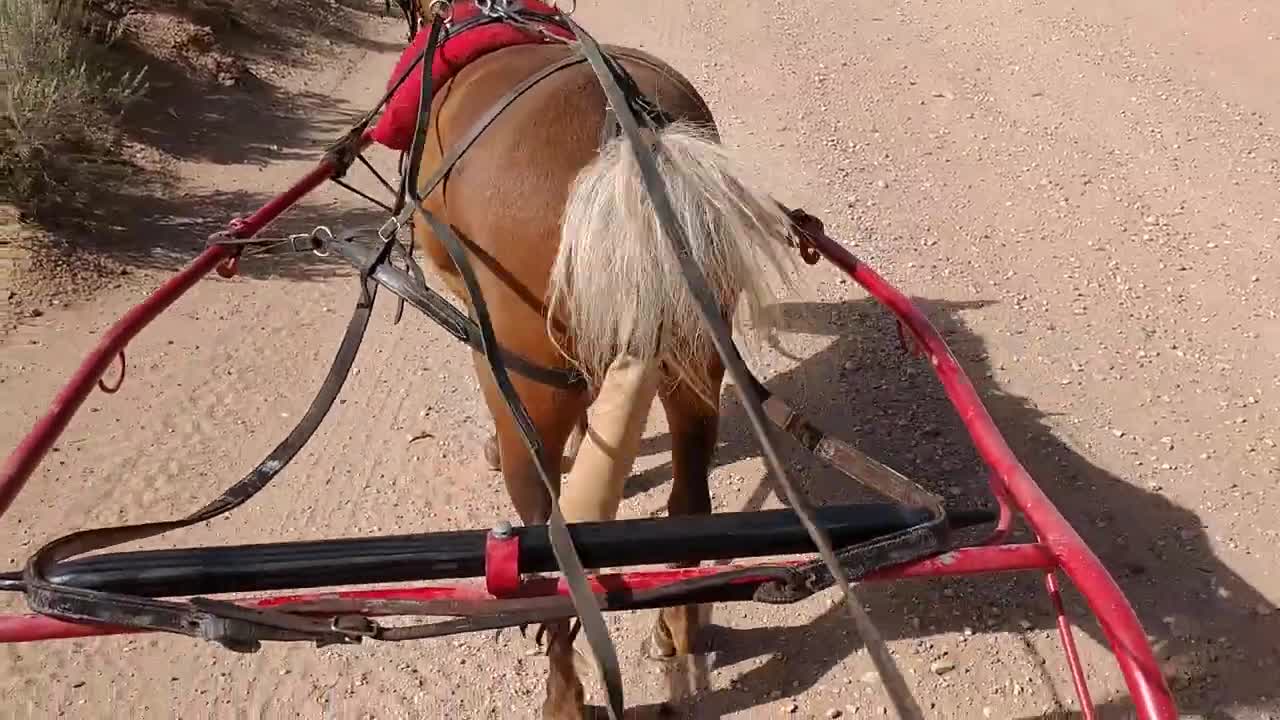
(27,456)
(1118,621)
(1116,617)
(965,561)
(1069,647)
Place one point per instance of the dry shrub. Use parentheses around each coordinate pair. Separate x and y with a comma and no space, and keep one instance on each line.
(59,110)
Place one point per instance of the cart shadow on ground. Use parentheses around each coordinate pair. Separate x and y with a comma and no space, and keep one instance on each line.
(1200,613)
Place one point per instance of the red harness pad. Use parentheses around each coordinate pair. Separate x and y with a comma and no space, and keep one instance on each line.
(396,125)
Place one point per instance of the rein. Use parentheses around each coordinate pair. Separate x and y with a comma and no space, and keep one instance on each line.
(375,254)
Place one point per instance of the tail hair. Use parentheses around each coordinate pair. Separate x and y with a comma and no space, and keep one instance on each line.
(616,281)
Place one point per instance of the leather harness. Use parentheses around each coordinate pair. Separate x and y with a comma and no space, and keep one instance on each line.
(243,629)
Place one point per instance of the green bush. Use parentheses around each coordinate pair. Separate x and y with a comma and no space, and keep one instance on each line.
(58,112)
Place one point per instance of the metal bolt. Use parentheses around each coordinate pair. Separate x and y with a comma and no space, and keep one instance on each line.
(502,530)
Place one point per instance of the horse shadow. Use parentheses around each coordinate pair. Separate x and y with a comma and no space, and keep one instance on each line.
(1202,616)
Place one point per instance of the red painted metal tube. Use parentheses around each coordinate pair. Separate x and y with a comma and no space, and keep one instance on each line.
(27,456)
(1078,680)
(1116,617)
(1119,623)
(965,561)
(32,628)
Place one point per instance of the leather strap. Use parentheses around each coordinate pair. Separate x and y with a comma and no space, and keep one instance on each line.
(449,161)
(237,633)
(574,574)
(417,293)
(242,629)
(748,392)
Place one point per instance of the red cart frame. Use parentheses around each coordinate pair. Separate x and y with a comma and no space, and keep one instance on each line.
(1058,548)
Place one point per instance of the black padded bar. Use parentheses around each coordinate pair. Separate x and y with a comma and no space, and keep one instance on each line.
(461,554)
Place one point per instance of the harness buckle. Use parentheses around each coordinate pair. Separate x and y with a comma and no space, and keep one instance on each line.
(356,627)
(390,229)
(321,237)
(442,9)
(494,8)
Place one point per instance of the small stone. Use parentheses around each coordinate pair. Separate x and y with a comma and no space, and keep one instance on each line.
(882,184)
(1181,626)
(834,713)
(988,711)
(35,312)
(790,708)
(1118,433)
(1025,624)
(941,667)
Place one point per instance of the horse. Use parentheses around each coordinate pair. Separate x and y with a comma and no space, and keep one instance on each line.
(577,275)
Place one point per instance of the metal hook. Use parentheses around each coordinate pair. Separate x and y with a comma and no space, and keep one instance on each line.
(229,267)
(110,390)
(389,229)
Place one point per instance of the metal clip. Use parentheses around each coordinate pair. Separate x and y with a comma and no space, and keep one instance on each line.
(493,8)
(321,238)
(356,626)
(442,9)
(390,229)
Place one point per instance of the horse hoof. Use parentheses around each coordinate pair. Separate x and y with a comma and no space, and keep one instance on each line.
(659,647)
(491,455)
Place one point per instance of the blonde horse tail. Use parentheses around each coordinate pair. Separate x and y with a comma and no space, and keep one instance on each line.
(616,282)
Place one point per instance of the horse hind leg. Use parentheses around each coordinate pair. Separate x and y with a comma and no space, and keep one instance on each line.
(593,490)
(493,458)
(609,440)
(555,414)
(694,426)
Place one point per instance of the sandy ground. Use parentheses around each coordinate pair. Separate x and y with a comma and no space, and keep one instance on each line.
(1083,196)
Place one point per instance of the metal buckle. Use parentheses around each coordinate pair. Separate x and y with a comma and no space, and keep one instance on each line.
(390,229)
(321,237)
(493,8)
(442,9)
(356,626)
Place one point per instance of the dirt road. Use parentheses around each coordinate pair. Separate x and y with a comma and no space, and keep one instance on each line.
(1083,195)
